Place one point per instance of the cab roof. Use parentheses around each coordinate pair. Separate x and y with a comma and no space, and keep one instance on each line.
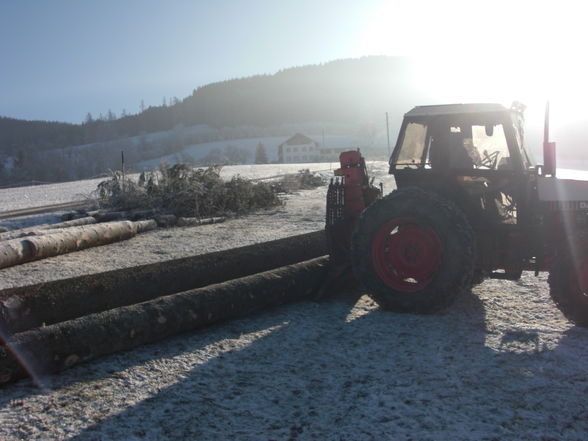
(455,109)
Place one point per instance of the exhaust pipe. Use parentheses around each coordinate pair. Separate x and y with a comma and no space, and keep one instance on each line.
(549,162)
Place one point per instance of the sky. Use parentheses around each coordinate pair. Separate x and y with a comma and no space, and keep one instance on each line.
(61,59)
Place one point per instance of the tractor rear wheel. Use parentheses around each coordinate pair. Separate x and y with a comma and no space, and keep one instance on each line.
(413,251)
(568,282)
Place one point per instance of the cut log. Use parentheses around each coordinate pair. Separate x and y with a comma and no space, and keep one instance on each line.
(68,240)
(192,221)
(52,302)
(53,348)
(110,216)
(43,229)
(141,214)
(13,252)
(144,225)
(71,223)
(166,220)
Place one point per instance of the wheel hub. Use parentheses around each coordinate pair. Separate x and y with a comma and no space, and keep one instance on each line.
(406,254)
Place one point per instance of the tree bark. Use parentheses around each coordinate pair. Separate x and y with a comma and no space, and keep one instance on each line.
(53,348)
(52,302)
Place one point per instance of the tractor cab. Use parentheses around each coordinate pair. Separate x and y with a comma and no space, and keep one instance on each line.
(472,154)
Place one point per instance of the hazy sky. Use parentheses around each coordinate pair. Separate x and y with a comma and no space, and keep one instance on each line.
(64,58)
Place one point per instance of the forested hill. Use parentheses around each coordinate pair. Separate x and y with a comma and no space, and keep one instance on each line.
(344,91)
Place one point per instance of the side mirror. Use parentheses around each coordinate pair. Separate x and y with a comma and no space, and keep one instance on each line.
(489,129)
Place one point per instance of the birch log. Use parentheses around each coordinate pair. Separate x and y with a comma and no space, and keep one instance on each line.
(39,230)
(17,251)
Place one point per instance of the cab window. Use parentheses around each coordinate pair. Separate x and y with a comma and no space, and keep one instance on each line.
(489,142)
(413,146)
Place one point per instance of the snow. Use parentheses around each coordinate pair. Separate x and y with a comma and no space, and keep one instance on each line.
(502,363)
(17,198)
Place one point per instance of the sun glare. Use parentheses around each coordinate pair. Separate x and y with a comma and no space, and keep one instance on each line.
(469,51)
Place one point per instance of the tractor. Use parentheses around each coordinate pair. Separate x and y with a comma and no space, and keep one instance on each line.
(469,205)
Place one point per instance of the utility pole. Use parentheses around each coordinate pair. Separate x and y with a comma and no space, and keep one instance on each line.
(388,133)
(122,160)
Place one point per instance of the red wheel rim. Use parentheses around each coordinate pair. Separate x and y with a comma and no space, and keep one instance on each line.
(406,254)
(579,282)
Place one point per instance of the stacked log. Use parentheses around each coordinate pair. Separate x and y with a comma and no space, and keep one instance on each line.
(53,348)
(52,302)
(17,251)
(192,221)
(40,230)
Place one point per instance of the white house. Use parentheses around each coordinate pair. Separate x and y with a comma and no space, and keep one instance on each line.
(301,148)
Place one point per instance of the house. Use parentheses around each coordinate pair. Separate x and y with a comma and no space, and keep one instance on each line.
(301,148)
(298,148)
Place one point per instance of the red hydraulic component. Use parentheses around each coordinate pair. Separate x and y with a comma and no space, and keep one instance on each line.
(355,179)
(348,195)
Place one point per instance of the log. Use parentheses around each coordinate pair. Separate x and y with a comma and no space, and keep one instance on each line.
(145,225)
(40,230)
(14,251)
(68,240)
(141,214)
(110,216)
(87,220)
(57,347)
(31,306)
(166,220)
(193,221)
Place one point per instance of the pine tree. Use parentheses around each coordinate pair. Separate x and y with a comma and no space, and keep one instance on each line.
(260,154)
(89,119)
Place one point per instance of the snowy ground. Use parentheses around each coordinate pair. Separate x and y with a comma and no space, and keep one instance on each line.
(500,364)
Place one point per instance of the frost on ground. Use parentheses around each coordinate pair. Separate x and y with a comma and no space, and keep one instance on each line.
(500,364)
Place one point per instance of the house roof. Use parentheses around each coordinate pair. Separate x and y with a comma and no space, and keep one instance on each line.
(450,109)
(298,139)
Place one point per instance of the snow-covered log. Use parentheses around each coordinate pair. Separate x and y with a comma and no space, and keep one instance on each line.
(16,251)
(31,306)
(51,349)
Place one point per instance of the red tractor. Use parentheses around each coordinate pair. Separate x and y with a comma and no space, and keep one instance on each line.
(469,205)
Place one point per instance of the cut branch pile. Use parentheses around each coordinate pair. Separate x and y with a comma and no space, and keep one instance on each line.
(184,191)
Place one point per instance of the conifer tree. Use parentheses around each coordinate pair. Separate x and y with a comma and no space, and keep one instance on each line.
(260,154)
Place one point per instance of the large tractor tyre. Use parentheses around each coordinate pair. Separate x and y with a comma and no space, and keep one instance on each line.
(413,251)
(568,281)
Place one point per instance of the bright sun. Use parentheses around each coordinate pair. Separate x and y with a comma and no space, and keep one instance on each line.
(501,51)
